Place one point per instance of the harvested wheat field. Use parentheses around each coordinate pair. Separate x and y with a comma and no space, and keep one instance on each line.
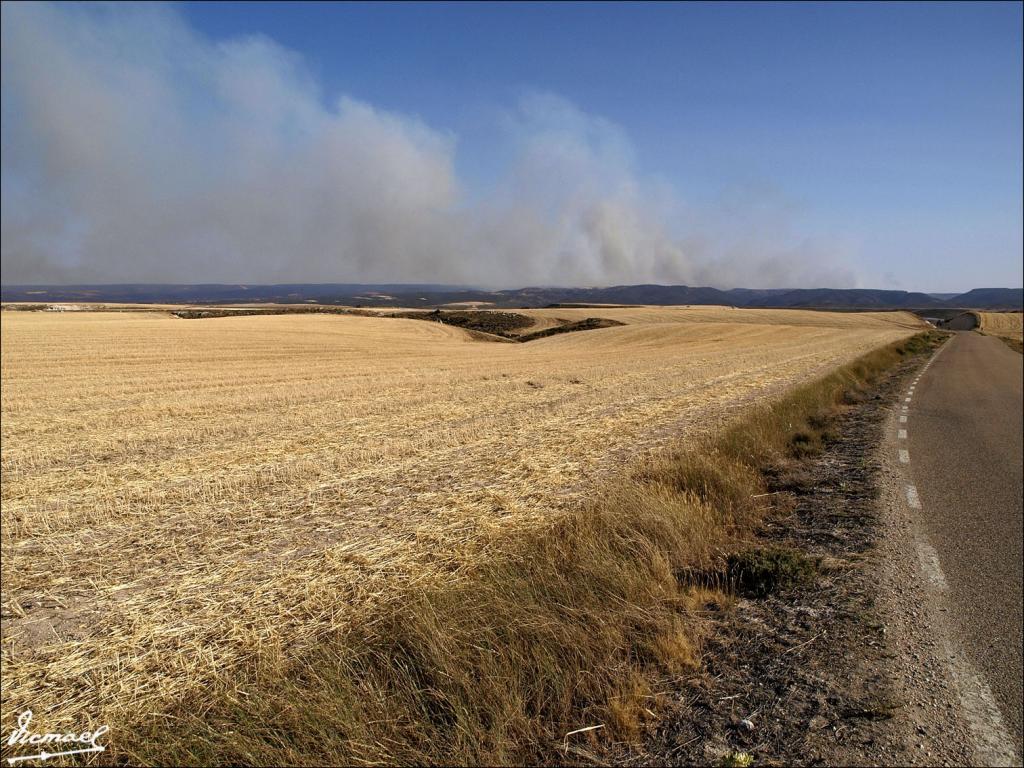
(1007,324)
(185,499)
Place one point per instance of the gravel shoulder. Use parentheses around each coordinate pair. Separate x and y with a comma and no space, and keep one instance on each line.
(854,668)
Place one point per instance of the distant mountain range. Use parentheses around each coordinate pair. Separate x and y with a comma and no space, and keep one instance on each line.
(394,295)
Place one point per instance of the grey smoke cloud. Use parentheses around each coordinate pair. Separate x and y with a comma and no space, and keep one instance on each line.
(135,150)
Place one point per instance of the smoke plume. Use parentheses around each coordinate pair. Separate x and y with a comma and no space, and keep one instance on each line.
(137,150)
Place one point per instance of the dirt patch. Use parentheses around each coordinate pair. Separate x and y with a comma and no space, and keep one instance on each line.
(808,674)
(36,623)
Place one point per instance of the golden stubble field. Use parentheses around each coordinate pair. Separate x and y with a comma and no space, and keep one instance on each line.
(1008,324)
(184,497)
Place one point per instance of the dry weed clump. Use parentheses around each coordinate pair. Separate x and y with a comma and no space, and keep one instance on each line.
(340,539)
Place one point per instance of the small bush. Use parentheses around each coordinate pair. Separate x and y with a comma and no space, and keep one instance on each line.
(760,572)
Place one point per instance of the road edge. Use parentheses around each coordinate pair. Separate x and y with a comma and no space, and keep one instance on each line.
(919,610)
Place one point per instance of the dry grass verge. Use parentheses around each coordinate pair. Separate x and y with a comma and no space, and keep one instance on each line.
(542,640)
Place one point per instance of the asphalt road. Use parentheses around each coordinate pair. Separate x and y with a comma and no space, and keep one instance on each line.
(963,431)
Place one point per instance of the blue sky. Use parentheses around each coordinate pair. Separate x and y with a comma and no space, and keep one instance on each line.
(879,142)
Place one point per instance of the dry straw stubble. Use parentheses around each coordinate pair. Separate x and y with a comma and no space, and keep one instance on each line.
(189,506)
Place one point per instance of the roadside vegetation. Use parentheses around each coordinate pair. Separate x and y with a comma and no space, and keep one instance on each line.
(547,637)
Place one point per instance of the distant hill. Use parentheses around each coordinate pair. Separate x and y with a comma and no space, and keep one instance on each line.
(207,293)
(619,294)
(990,298)
(396,295)
(847,299)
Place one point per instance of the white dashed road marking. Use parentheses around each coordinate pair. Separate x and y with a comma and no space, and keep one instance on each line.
(907,400)
(993,745)
(902,434)
(903,418)
(904,456)
(930,563)
(912,498)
